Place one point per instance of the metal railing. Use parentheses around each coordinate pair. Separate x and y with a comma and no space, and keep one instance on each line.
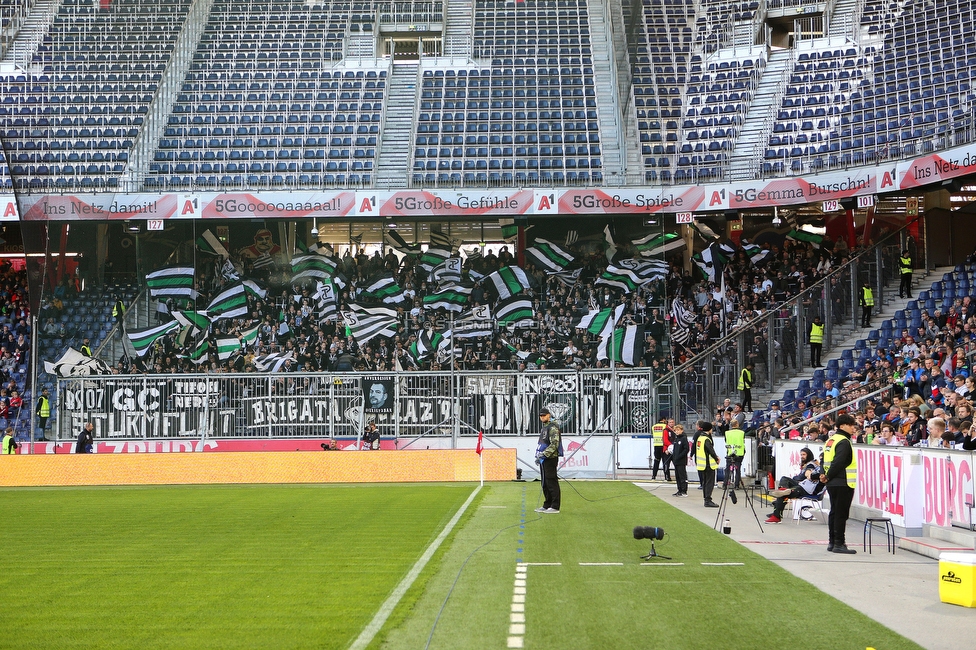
(776,341)
(405,405)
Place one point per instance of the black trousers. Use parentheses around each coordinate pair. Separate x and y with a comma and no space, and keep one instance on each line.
(681,476)
(659,457)
(815,350)
(866,316)
(841,498)
(746,399)
(906,285)
(707,478)
(550,483)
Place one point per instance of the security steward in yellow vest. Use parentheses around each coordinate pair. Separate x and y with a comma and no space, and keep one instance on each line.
(735,445)
(43,411)
(86,348)
(816,341)
(867,304)
(840,475)
(118,313)
(706,462)
(9,443)
(905,267)
(662,439)
(745,385)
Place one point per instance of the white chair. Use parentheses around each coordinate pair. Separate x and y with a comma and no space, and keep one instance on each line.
(805,509)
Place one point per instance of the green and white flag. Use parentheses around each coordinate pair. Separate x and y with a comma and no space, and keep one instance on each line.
(366,323)
(619,278)
(548,256)
(143,339)
(508,281)
(474,324)
(448,297)
(229,303)
(513,310)
(200,353)
(208,243)
(227,347)
(804,236)
(195,321)
(172,281)
(428,344)
(252,288)
(433,257)
(600,322)
(657,244)
(249,336)
(311,266)
(448,271)
(383,288)
(756,254)
(626,346)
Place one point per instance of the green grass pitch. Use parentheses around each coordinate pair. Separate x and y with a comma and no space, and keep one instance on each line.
(309,566)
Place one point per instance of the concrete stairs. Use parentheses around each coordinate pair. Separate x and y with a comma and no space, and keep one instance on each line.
(393,170)
(751,143)
(936,541)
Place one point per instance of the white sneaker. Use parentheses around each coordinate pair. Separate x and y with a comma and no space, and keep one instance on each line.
(540,509)
(551,511)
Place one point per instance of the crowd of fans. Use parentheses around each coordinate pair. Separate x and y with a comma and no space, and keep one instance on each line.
(552,341)
(15,344)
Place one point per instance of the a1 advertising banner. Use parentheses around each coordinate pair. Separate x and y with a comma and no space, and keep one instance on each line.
(639,201)
(804,189)
(937,167)
(948,479)
(474,203)
(889,480)
(8,208)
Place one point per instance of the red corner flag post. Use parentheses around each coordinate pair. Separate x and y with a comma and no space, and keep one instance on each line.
(481,459)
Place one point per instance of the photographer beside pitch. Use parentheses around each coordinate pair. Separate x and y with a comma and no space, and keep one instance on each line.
(840,475)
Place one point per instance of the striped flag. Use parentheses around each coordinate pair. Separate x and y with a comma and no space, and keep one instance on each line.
(449,297)
(681,321)
(448,271)
(433,257)
(196,321)
(474,254)
(571,237)
(706,263)
(228,347)
(643,270)
(568,278)
(399,244)
(325,297)
(200,353)
(262,261)
(208,243)
(756,254)
(428,344)
(273,362)
(383,288)
(229,303)
(548,256)
(509,229)
(627,345)
(600,322)
(249,336)
(657,244)
(172,281)
(513,309)
(311,266)
(253,289)
(475,323)
(440,240)
(619,278)
(142,339)
(804,236)
(508,281)
(368,323)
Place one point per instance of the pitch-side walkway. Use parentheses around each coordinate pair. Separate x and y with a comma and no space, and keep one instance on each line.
(899,591)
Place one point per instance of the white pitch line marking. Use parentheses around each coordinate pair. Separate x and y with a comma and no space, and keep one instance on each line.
(723,563)
(514,642)
(519,591)
(662,563)
(518,598)
(517,618)
(494,506)
(541,564)
(366,636)
(516,628)
(518,607)
(601,563)
(520,583)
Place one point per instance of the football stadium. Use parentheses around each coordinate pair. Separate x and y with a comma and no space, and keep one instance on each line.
(376,324)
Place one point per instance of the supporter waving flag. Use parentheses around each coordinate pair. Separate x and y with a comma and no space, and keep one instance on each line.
(273,362)
(508,281)
(367,323)
(447,271)
(197,321)
(513,310)
(548,256)
(658,244)
(682,319)
(325,301)
(382,287)
(395,240)
(172,281)
(625,346)
(143,339)
(229,303)
(312,266)
(756,254)
(433,257)
(451,297)
(475,323)
(568,278)
(428,344)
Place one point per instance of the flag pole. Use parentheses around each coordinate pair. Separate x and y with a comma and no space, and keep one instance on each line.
(613,395)
(455,428)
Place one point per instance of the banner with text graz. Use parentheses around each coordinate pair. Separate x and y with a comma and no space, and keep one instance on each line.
(132,407)
(948,481)
(888,480)
(498,405)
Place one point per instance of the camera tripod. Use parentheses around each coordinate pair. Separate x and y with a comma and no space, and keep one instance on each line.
(733,480)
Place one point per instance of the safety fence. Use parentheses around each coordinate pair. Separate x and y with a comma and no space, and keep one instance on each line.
(405,405)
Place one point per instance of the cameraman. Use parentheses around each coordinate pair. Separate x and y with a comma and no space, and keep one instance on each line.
(371,436)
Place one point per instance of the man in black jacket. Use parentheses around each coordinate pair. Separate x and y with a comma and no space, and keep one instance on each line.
(679,456)
(86,441)
(840,475)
